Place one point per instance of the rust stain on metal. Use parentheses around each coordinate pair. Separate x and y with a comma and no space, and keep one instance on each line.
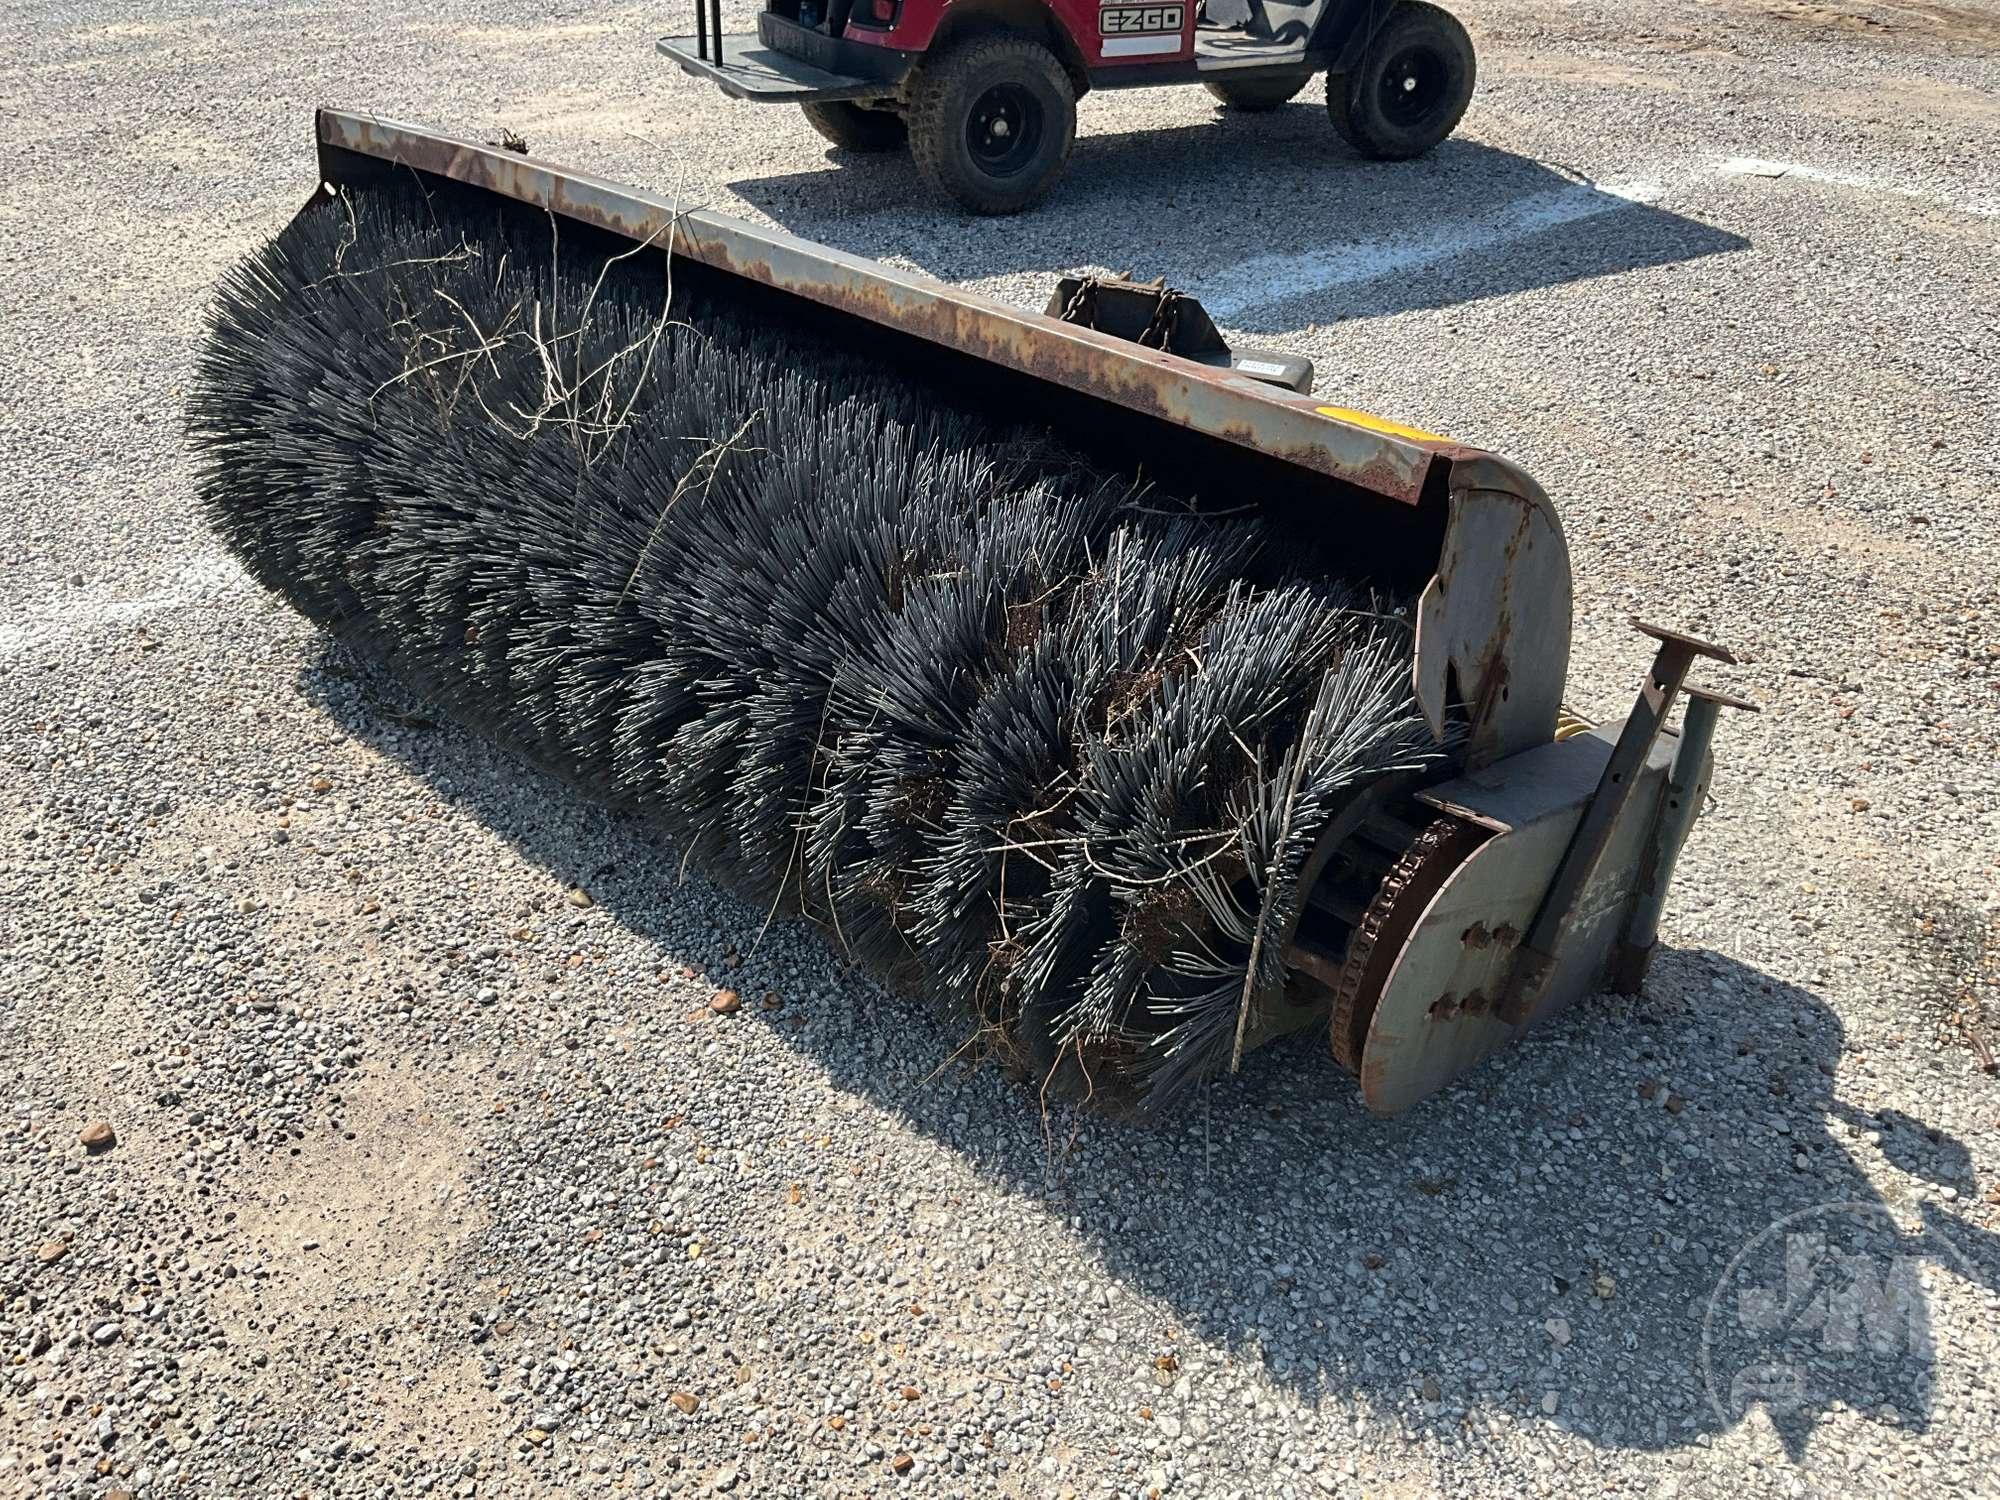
(1373,1074)
(1320,965)
(1485,664)
(1449,1007)
(1492,669)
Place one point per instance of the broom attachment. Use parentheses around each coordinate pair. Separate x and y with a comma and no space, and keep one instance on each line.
(1049,742)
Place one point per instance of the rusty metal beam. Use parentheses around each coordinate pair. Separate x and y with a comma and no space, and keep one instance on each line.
(1383,458)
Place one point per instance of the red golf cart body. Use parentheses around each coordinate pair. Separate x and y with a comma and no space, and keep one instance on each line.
(867,51)
(985,91)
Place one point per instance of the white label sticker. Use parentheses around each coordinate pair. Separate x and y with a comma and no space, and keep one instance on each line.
(1259,367)
(1141,46)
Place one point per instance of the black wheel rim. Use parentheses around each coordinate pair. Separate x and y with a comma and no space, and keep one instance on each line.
(1004,130)
(1414,86)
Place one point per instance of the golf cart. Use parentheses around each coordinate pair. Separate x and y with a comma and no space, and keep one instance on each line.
(984,91)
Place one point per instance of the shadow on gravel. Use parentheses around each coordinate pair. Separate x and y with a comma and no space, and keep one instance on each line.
(1271,221)
(1641,1224)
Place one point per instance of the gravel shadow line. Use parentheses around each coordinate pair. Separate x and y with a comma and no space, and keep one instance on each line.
(1600,1229)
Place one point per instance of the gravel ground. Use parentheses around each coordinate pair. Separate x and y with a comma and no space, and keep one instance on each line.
(432,1173)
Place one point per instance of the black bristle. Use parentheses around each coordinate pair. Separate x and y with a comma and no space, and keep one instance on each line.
(992,716)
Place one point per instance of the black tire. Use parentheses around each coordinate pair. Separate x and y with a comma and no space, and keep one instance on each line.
(1253,96)
(1411,87)
(992,122)
(857,129)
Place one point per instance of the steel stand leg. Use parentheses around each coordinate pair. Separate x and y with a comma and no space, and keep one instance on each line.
(1537,955)
(1677,815)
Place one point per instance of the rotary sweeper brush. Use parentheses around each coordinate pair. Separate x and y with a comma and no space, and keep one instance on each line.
(1111,687)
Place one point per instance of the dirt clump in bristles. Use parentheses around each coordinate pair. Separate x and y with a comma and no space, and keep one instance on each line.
(987,714)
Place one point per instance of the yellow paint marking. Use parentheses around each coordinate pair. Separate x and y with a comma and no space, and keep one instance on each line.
(1379,424)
